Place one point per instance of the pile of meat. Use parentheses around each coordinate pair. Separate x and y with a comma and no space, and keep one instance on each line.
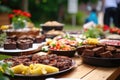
(100,50)
(60,62)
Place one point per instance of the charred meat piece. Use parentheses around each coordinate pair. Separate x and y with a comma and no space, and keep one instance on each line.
(101,45)
(80,49)
(90,46)
(117,50)
(60,62)
(19,60)
(106,54)
(110,48)
(98,50)
(88,52)
(117,55)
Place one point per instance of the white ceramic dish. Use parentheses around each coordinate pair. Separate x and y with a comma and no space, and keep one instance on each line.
(35,46)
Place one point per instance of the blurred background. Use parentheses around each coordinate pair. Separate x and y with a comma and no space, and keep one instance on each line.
(45,10)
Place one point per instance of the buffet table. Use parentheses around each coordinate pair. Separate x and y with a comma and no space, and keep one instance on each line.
(87,72)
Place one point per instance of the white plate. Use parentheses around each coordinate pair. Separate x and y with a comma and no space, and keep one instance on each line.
(35,46)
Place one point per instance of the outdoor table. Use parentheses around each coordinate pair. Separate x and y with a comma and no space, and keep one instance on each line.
(88,72)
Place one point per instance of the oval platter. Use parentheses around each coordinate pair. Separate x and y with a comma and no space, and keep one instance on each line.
(102,62)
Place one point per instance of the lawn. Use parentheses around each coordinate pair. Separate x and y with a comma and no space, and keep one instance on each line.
(66,28)
(72,28)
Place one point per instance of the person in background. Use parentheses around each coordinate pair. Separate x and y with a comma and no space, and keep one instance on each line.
(110,7)
(92,17)
(118,12)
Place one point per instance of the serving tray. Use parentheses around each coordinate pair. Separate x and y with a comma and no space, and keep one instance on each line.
(40,77)
(102,62)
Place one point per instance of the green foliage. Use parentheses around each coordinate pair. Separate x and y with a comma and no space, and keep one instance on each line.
(94,33)
(46,9)
(91,33)
(94,1)
(19,21)
(13,4)
(86,1)
(4,9)
(43,10)
(4,56)
(2,38)
(5,68)
(80,18)
(67,36)
(3,77)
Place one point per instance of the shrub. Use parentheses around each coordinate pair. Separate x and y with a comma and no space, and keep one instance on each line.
(80,18)
(4,9)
